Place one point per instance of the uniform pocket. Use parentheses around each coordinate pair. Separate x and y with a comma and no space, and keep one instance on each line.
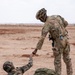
(55,51)
(67,49)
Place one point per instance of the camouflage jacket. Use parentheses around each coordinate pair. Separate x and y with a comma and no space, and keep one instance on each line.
(21,70)
(44,71)
(55,26)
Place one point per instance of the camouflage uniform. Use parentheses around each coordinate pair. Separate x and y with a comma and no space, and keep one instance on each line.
(44,71)
(55,26)
(11,70)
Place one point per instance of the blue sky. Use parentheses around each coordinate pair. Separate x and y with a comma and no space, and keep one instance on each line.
(24,11)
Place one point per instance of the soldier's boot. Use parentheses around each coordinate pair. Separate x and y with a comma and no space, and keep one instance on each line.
(57,61)
(67,60)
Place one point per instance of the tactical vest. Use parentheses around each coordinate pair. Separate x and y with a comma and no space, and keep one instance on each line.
(57,29)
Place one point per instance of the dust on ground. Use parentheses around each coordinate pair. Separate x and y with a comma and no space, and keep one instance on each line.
(18,42)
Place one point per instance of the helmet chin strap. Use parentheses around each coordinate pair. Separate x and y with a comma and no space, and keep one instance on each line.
(44,18)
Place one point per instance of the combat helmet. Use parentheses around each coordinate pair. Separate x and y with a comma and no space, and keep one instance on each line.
(8,66)
(44,71)
(41,13)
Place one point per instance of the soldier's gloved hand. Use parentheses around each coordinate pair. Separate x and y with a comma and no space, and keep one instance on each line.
(34,52)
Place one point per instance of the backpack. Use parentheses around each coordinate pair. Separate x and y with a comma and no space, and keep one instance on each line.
(44,71)
(61,20)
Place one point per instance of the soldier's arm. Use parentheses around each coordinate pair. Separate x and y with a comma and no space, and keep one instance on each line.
(45,30)
(28,66)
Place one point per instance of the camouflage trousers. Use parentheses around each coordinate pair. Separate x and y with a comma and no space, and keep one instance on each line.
(66,58)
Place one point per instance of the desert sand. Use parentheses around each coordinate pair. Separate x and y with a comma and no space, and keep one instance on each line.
(18,42)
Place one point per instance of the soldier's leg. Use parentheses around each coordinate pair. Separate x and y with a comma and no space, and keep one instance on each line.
(57,61)
(67,60)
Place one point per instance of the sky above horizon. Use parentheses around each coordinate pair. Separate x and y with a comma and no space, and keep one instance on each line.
(24,11)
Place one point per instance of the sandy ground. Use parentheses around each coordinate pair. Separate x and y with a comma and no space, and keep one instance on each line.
(17,42)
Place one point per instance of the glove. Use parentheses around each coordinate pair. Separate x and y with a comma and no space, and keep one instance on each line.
(34,52)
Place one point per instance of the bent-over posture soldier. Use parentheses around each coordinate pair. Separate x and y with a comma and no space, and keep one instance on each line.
(11,70)
(55,25)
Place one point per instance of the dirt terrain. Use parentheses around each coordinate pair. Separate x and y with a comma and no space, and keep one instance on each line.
(18,42)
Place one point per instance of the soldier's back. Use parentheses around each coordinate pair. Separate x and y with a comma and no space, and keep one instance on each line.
(56,30)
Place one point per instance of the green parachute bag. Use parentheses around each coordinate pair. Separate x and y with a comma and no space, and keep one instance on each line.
(44,71)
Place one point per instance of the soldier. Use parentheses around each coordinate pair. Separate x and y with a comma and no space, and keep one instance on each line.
(55,26)
(11,70)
